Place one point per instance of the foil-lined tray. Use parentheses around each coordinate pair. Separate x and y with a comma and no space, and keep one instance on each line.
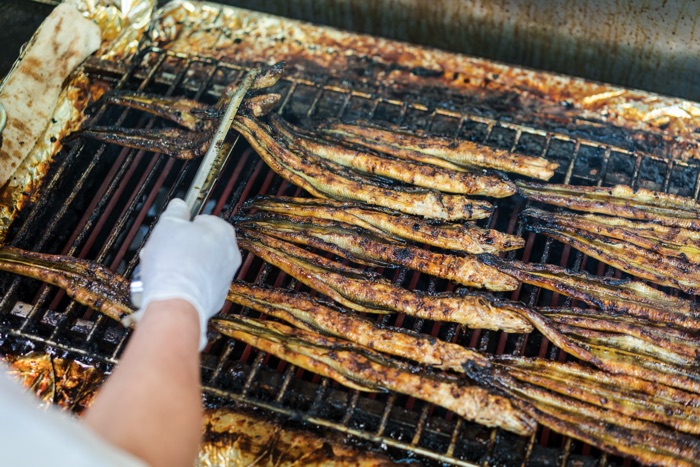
(122,24)
(637,121)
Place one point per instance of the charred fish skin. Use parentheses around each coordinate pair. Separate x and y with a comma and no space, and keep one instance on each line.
(190,114)
(325,179)
(465,270)
(537,393)
(620,201)
(178,143)
(358,364)
(465,237)
(620,296)
(646,400)
(86,282)
(412,173)
(670,241)
(358,291)
(437,150)
(624,249)
(306,313)
(644,264)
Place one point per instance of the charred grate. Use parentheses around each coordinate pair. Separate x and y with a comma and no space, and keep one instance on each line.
(100,201)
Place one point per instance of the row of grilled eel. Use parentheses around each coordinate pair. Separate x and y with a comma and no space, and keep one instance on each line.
(641,337)
(648,234)
(350,164)
(505,391)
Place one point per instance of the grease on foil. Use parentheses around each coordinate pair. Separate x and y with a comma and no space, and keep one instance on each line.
(214,30)
(122,24)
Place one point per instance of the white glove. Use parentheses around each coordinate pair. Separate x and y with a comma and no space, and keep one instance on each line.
(190,260)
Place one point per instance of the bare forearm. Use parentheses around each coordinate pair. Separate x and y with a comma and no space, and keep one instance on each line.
(151,405)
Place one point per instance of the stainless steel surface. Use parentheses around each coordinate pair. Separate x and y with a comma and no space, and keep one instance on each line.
(645,44)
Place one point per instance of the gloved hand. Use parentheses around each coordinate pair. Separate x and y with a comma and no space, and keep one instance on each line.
(190,260)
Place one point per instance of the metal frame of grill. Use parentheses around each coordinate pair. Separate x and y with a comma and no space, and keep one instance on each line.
(100,201)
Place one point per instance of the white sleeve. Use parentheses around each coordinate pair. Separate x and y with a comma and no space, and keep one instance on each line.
(30,436)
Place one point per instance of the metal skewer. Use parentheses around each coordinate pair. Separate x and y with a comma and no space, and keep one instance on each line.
(208,171)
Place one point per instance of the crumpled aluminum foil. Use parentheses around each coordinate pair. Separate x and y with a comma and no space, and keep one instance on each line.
(123,23)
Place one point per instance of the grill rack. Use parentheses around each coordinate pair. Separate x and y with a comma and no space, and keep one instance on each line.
(121,191)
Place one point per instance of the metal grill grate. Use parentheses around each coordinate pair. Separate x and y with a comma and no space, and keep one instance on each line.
(100,201)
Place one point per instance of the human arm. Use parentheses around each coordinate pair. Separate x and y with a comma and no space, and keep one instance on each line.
(151,405)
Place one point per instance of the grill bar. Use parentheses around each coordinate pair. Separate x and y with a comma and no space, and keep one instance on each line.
(113,223)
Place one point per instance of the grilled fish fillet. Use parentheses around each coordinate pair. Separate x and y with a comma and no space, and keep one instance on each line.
(450,236)
(465,270)
(372,294)
(619,201)
(329,356)
(409,172)
(625,394)
(426,149)
(325,179)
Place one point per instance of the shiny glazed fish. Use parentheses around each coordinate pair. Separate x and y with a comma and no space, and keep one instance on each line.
(626,429)
(356,244)
(439,151)
(386,222)
(648,400)
(619,201)
(624,249)
(409,172)
(368,293)
(326,179)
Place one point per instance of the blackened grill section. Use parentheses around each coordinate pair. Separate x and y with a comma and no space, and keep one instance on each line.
(100,202)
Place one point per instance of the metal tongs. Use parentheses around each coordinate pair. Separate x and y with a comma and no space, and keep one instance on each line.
(208,172)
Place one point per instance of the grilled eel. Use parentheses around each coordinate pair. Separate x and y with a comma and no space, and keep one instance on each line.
(629,345)
(355,244)
(197,119)
(642,440)
(193,115)
(617,296)
(622,248)
(176,142)
(669,241)
(361,368)
(612,343)
(320,178)
(326,179)
(619,433)
(84,281)
(437,150)
(231,436)
(471,402)
(386,222)
(179,143)
(370,293)
(678,273)
(619,201)
(409,172)
(645,400)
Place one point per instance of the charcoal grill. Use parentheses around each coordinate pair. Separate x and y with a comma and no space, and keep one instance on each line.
(100,201)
